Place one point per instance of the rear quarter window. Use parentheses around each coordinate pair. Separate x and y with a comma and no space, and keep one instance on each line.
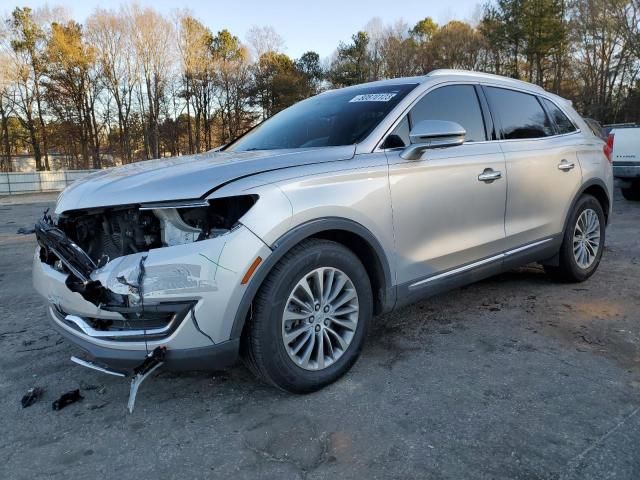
(563,124)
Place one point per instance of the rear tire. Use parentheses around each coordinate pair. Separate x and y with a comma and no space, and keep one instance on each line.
(583,242)
(307,328)
(632,193)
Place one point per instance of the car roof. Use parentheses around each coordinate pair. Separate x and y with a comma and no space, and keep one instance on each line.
(459,75)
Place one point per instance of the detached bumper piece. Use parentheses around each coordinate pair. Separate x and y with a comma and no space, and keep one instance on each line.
(150,364)
(153,361)
(56,246)
(60,252)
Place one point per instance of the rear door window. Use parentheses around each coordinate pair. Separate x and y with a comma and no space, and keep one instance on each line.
(455,103)
(520,114)
(563,124)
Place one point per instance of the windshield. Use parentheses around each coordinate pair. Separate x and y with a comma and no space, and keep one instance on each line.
(343,117)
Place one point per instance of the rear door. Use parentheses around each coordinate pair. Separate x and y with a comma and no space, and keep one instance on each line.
(542,166)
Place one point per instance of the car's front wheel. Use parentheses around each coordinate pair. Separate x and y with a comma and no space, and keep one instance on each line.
(309,318)
(583,242)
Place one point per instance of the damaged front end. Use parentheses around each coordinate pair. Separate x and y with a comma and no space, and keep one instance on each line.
(123,280)
(83,241)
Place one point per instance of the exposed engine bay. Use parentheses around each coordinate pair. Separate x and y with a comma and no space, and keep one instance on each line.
(83,241)
(105,234)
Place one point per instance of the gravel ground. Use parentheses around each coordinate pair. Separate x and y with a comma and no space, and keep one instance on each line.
(511,378)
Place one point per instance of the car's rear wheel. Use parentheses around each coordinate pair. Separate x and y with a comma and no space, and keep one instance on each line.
(583,242)
(632,192)
(309,318)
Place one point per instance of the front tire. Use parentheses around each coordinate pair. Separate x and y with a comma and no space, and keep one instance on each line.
(309,318)
(583,242)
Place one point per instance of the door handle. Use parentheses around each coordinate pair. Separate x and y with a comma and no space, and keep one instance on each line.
(489,175)
(566,166)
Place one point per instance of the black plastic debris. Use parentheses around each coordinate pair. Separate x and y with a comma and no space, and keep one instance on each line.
(67,399)
(150,361)
(100,389)
(26,231)
(31,397)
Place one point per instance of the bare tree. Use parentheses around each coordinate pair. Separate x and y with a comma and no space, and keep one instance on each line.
(7,79)
(263,40)
(27,41)
(232,76)
(629,18)
(399,51)
(603,57)
(111,40)
(377,34)
(194,43)
(153,42)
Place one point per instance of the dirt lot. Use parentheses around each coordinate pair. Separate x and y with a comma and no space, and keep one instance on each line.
(511,378)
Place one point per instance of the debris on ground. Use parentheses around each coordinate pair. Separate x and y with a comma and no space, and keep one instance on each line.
(67,399)
(100,389)
(31,397)
(26,231)
(152,362)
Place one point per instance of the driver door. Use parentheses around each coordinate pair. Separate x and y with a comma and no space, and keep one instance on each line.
(448,217)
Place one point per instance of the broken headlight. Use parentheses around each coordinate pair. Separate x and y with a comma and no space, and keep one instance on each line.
(191,222)
(112,232)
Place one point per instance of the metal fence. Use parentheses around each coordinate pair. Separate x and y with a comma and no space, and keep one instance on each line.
(34,182)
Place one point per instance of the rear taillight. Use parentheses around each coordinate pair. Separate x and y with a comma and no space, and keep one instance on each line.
(608,147)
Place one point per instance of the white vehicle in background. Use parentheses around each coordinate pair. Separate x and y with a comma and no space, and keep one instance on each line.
(624,140)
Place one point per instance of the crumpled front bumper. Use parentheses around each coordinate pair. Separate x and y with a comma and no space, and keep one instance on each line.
(196,286)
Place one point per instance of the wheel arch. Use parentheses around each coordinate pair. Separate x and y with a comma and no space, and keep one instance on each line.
(596,188)
(347,232)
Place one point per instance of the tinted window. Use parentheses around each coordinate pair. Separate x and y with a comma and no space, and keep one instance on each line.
(399,137)
(343,117)
(521,114)
(563,124)
(456,103)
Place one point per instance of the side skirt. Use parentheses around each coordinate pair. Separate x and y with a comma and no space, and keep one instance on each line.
(414,291)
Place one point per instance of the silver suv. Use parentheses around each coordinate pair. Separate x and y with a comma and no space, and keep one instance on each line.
(281,246)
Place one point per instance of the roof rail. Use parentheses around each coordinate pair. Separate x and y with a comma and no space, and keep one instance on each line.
(488,76)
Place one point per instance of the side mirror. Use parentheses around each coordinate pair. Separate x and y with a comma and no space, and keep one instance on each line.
(433,134)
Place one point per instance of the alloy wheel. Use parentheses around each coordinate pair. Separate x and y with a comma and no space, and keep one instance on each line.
(320,318)
(586,238)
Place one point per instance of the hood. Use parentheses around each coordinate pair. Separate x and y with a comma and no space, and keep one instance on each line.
(182,178)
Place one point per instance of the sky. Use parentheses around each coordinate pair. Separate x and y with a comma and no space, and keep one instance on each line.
(315,25)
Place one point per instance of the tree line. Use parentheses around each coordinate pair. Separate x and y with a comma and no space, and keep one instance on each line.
(133,84)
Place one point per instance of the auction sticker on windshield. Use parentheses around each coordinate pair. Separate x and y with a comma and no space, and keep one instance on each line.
(373,97)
